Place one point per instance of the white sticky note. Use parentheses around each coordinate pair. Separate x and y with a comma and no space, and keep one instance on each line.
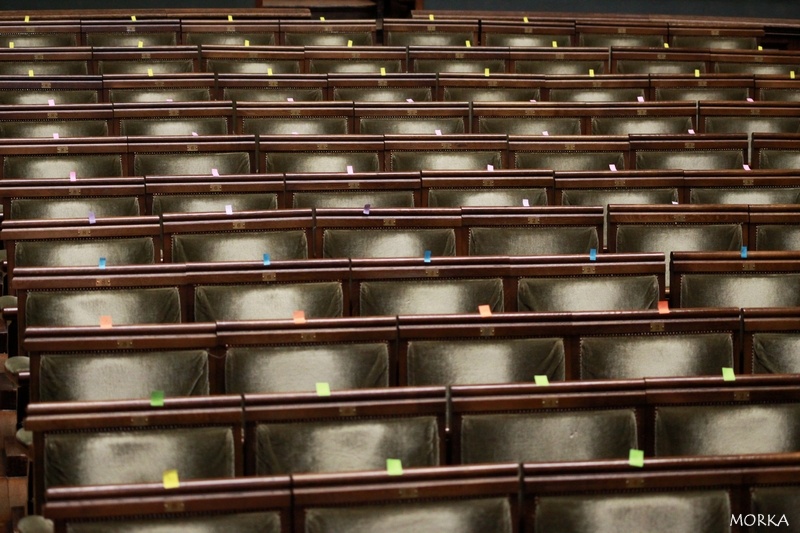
(194,134)
(51,102)
(349,169)
(545,133)
(228,209)
(73,176)
(438,132)
(214,172)
(55,136)
(295,133)
(490,168)
(169,99)
(612,167)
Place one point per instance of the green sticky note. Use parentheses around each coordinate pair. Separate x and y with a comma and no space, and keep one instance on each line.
(636,458)
(542,381)
(157,398)
(323,389)
(394,467)
(727,374)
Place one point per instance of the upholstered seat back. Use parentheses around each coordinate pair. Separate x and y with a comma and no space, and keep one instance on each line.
(633,357)
(72,128)
(208,247)
(656,512)
(364,243)
(240,522)
(353,199)
(182,164)
(778,237)
(85,307)
(41,97)
(164,66)
(530,126)
(690,160)
(254,302)
(354,66)
(560,68)
(299,368)
(272,94)
(604,40)
(27,208)
(344,445)
(640,126)
(253,66)
(491,94)
(465,516)
(307,162)
(744,196)
(525,39)
(632,66)
(327,38)
(67,377)
(604,94)
(463,362)
(38,40)
(601,293)
(777,502)
(229,39)
(411,126)
(85,252)
(474,66)
(430,297)
(758,69)
(430,160)
(425,38)
(382,94)
(779,159)
(752,124)
(43,167)
(774,353)
(740,290)
(570,160)
(489,197)
(547,436)
(44,68)
(137,456)
(299,126)
(694,94)
(152,94)
(714,41)
(213,203)
(133,39)
(541,240)
(727,429)
(160,126)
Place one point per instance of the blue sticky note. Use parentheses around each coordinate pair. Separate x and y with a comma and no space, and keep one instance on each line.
(427,256)
(102,262)
(593,255)
(266,259)
(744,252)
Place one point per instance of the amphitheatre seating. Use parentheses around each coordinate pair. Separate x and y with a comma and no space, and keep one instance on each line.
(276,88)
(288,118)
(168,119)
(688,152)
(355,60)
(776,151)
(487,188)
(62,121)
(560,62)
(141,62)
(328,33)
(693,35)
(762,117)
(378,189)
(521,34)
(605,89)
(229,33)
(458,59)
(19,90)
(411,118)
(206,194)
(644,34)
(372,87)
(473,152)
(742,187)
(55,35)
(177,156)
(768,88)
(772,63)
(323,153)
(262,61)
(409,32)
(73,61)
(645,61)
(130,34)
(461,87)
(688,87)
(769,341)
(567,153)
(61,159)
(135,89)
(774,227)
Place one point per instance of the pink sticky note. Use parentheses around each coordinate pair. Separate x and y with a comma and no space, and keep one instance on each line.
(612,167)
(409,100)
(749,99)
(349,169)
(214,172)
(746,167)
(194,134)
(438,132)
(295,133)
(545,132)
(169,99)
(640,98)
(73,176)
(92,218)
(51,102)
(228,209)
(691,132)
(290,99)
(490,167)
(55,136)
(534,101)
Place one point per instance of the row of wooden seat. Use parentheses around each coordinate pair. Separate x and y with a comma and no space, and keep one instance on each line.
(228,436)
(389,32)
(445,87)
(711,493)
(439,118)
(588,61)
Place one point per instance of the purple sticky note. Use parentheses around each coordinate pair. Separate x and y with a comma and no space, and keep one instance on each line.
(92,218)
(438,132)
(366,209)
(214,172)
(194,134)
(691,132)
(290,99)
(545,133)
(749,99)
(169,99)
(55,136)
(640,98)
(746,167)
(409,100)
(51,102)
(612,167)
(72,176)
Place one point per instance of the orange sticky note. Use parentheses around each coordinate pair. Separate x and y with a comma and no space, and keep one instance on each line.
(485,310)
(299,317)
(105,321)
(663,307)
(171,480)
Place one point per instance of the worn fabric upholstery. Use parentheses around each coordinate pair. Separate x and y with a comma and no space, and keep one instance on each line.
(118,376)
(776,501)
(425,38)
(30,97)
(364,243)
(463,362)
(600,293)
(85,252)
(430,297)
(779,159)
(300,368)
(183,164)
(353,199)
(744,196)
(780,95)
(547,436)
(727,429)
(354,66)
(300,126)
(253,66)
(307,162)
(778,237)
(85,307)
(346,444)
(656,512)
(530,126)
(752,124)
(44,68)
(359,38)
(476,66)
(250,246)
(153,94)
(570,160)
(137,456)
(42,167)
(163,66)
(64,128)
(120,39)
(160,126)
(633,357)
(589,197)
(38,40)
(757,69)
(382,94)
(213,203)
(776,353)
(640,126)
(240,522)
(489,197)
(229,39)
(559,68)
(272,94)
(605,94)
(604,40)
(411,125)
(526,40)
(22,208)
(690,160)
(714,41)
(740,290)
(630,66)
(491,94)
(541,240)
(464,516)
(255,302)
(694,94)
(416,161)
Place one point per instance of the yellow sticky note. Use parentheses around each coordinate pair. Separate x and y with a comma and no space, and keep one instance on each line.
(383,71)
(697,73)
(323,389)
(269,71)
(230,18)
(555,44)
(171,480)
(636,458)
(11,44)
(430,17)
(30,73)
(394,467)
(133,18)
(149,72)
(27,18)
(541,381)
(141,44)
(666,45)
(469,44)
(591,73)
(791,75)
(247,42)
(760,47)
(727,374)
(525,20)
(349,43)
(486,72)
(322,19)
